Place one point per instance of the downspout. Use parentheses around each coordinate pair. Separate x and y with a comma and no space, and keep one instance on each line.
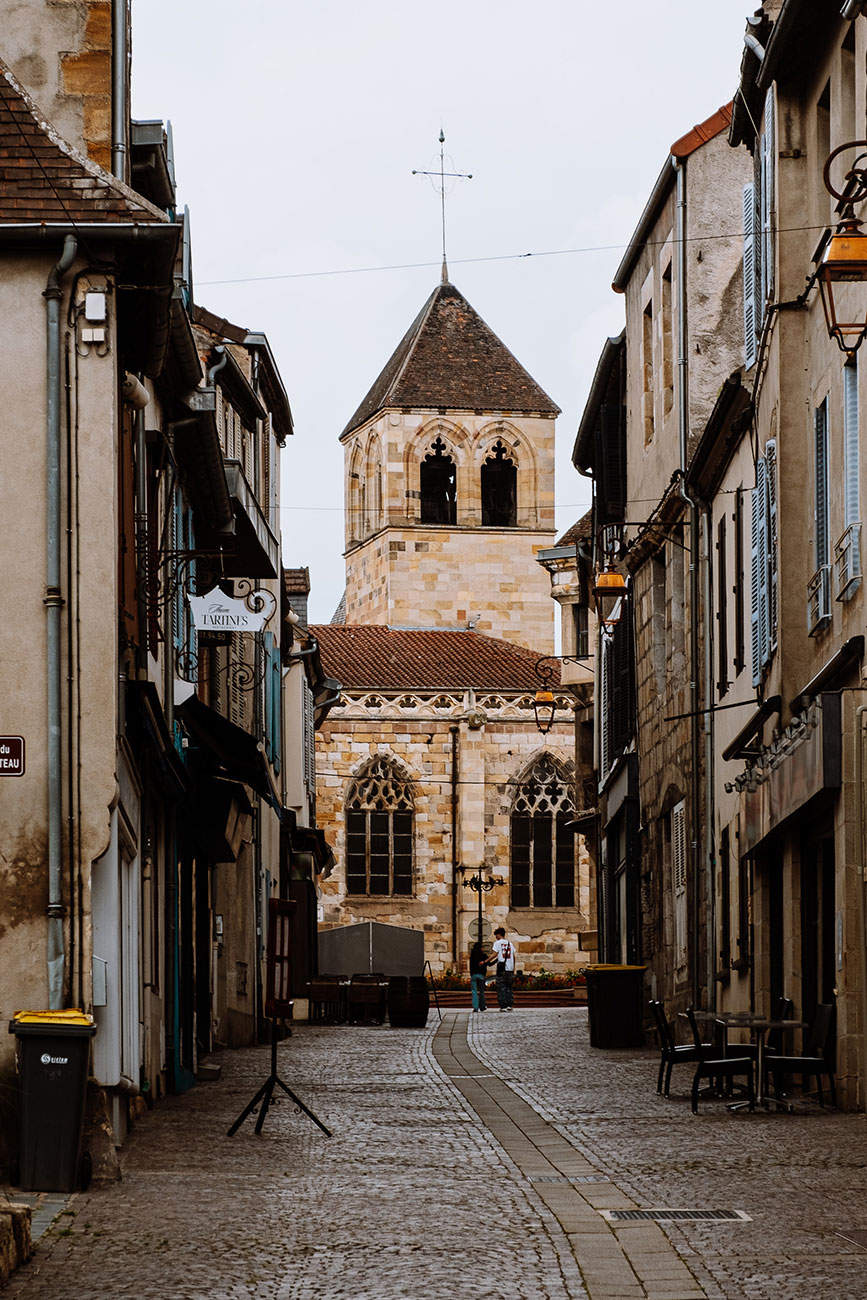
(862,902)
(120,89)
(455,759)
(53,602)
(136,394)
(694,541)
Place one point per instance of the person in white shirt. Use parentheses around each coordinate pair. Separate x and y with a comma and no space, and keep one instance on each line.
(504,953)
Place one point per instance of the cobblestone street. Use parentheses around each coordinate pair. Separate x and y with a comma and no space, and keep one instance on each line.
(458,1170)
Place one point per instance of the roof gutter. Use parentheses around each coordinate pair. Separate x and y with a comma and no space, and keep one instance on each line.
(120,89)
(582,450)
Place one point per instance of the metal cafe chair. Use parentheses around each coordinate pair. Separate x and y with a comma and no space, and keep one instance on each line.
(715,1065)
(670,1053)
(817,1060)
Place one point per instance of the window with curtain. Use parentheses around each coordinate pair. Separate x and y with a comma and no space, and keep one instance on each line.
(543,843)
(379,831)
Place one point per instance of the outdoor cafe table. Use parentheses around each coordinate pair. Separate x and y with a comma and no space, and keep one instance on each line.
(758,1027)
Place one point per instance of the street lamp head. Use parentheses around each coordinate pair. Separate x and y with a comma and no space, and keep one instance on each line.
(843,259)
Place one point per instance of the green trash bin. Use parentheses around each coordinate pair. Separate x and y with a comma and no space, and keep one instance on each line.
(615,1002)
(53,1058)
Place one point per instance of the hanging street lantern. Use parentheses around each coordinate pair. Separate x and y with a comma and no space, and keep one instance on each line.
(609,593)
(843,259)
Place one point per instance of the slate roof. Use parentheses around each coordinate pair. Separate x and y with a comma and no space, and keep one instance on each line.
(581,531)
(374,657)
(449,358)
(43,179)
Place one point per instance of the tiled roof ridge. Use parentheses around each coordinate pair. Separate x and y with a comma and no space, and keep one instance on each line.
(703,131)
(145,209)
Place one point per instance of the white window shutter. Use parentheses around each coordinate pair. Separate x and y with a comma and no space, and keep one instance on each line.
(853,468)
(749,215)
(767,202)
(759,596)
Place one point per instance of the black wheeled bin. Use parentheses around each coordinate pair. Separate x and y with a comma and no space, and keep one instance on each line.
(53,1056)
(615,1002)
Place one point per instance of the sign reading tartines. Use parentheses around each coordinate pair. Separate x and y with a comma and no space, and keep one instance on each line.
(11,755)
(217,612)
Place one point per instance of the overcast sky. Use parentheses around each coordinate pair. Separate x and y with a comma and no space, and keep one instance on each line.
(296,130)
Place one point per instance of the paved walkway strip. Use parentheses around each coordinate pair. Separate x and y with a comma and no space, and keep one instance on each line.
(617,1261)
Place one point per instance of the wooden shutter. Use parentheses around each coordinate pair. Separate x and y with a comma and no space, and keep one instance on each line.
(722,613)
(852,466)
(759,572)
(772,616)
(767,156)
(750,313)
(821,482)
(678,863)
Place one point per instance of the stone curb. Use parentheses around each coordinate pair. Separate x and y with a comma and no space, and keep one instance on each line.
(15,1243)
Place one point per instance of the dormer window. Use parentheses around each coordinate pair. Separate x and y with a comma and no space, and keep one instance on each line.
(499,483)
(438,486)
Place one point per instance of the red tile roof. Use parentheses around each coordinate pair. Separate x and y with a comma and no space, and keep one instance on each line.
(373,657)
(43,179)
(699,135)
(449,358)
(581,531)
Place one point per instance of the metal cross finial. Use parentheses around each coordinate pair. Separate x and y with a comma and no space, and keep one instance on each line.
(442,174)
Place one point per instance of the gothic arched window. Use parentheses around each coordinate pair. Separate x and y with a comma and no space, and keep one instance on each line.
(543,845)
(438,486)
(379,813)
(499,483)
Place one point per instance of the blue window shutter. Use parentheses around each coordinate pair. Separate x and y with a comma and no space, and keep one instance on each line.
(749,215)
(177,544)
(853,468)
(771,477)
(276,705)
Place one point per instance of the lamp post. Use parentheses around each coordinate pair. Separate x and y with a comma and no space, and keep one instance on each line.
(480,885)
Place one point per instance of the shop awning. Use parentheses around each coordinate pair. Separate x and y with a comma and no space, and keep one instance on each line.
(227,750)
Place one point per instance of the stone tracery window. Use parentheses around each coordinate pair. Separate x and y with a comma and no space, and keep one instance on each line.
(438,486)
(543,845)
(499,484)
(379,831)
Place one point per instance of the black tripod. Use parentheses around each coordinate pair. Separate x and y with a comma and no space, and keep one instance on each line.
(265,1095)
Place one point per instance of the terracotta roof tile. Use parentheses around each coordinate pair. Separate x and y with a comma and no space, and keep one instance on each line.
(43,179)
(449,358)
(718,122)
(373,657)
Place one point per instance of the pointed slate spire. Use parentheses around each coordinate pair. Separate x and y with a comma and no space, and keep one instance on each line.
(449,358)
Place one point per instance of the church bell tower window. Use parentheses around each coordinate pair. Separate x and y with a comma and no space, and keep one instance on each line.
(379,832)
(499,483)
(438,486)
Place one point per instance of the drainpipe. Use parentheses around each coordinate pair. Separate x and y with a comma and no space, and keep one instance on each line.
(862,902)
(120,89)
(454,734)
(53,602)
(694,541)
(136,395)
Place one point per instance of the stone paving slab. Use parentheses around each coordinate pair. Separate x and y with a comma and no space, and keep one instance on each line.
(418,1196)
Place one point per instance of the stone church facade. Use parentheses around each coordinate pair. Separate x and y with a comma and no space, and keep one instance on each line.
(432,772)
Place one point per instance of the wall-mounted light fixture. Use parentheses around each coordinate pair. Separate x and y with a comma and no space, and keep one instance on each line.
(843,259)
(609,593)
(544,704)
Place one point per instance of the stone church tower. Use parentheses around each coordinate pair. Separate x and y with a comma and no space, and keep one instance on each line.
(431,772)
(449,481)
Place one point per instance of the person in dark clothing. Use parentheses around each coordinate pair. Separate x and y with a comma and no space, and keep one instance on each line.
(478,966)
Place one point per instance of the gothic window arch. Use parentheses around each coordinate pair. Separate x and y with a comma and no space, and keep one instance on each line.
(438,485)
(379,830)
(499,488)
(356,496)
(544,846)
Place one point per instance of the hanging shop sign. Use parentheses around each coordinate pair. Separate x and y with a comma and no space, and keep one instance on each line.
(217,612)
(11,755)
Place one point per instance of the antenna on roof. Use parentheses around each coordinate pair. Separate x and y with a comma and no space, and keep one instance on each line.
(441,187)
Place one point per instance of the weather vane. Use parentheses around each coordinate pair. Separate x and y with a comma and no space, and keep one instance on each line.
(442,175)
